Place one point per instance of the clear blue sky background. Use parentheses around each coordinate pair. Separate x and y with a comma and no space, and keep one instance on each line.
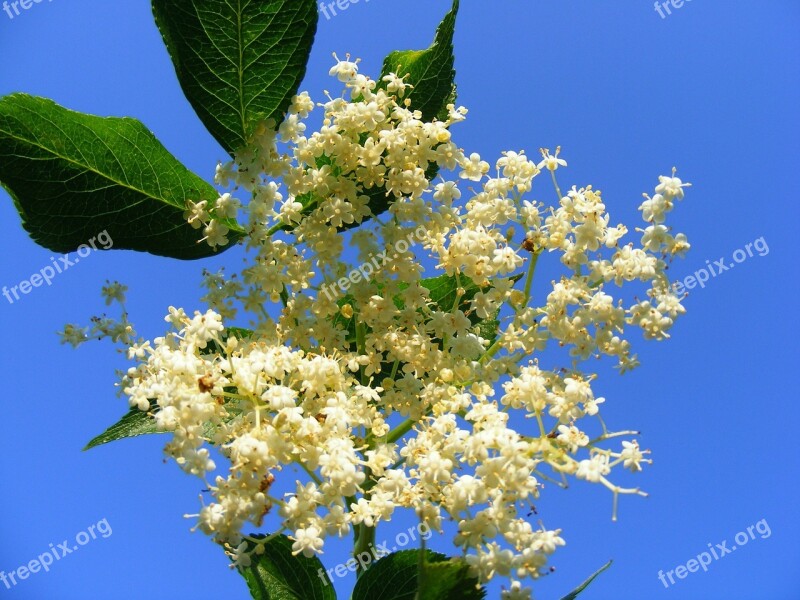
(712,89)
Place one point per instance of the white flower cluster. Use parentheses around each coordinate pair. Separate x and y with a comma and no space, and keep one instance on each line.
(388,399)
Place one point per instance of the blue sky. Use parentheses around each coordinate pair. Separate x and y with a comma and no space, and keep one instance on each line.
(712,88)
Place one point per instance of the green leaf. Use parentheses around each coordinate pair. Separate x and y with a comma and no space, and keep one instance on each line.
(449,580)
(444,289)
(237,332)
(278,575)
(135,423)
(574,593)
(239,62)
(74,177)
(443,292)
(396,577)
(430,71)
(432,74)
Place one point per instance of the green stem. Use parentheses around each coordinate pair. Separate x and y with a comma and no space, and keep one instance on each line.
(529,279)
(365,536)
(395,366)
(361,344)
(458,296)
(276,228)
(495,347)
(454,308)
(608,436)
(284,297)
(399,431)
(555,183)
(365,540)
(311,473)
(286,226)
(265,540)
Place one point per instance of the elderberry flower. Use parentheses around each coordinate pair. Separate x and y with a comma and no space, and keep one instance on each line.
(394,384)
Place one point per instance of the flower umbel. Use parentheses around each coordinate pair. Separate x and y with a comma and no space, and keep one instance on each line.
(427,394)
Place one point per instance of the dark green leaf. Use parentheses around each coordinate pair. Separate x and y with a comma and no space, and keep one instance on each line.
(430,71)
(137,422)
(278,575)
(237,332)
(574,593)
(133,424)
(443,291)
(432,74)
(74,177)
(396,577)
(449,580)
(239,62)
